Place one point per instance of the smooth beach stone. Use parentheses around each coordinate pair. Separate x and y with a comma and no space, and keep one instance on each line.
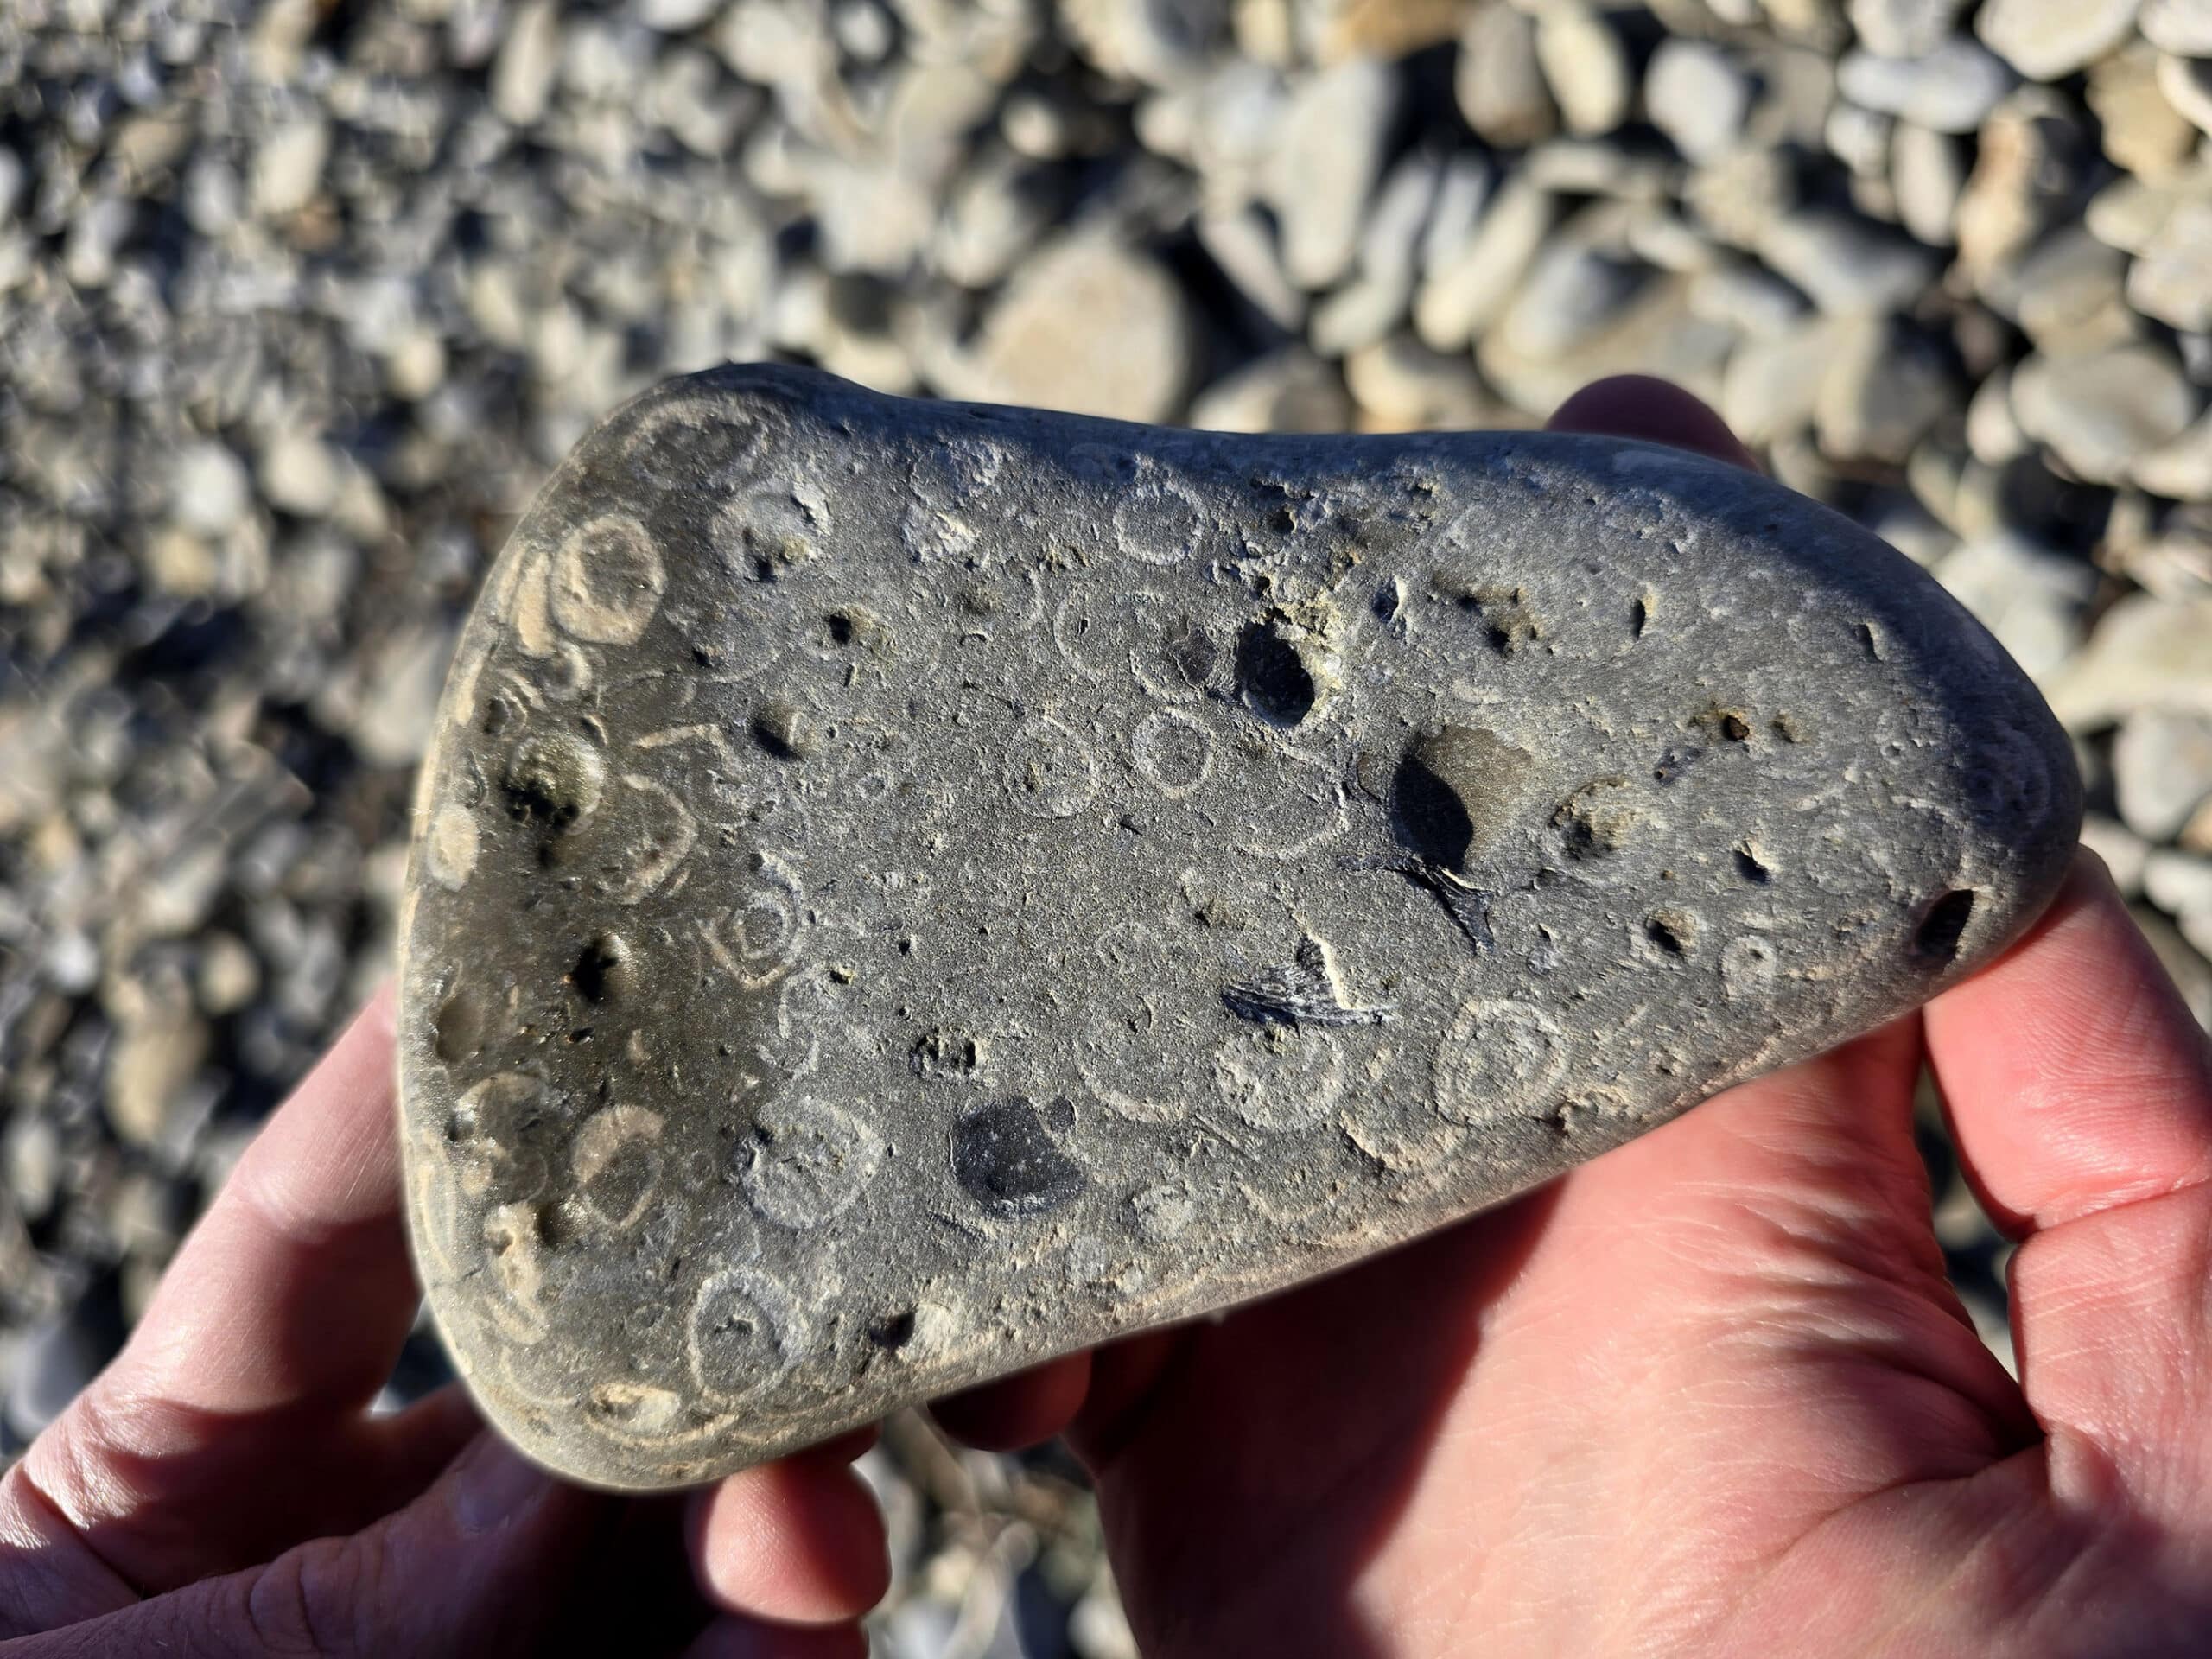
(903,890)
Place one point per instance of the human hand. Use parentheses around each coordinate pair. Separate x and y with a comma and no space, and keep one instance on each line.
(1713,1392)
(222,1488)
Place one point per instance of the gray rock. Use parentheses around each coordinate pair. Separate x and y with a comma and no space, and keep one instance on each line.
(1773,381)
(2178,883)
(2180,468)
(2032,599)
(1465,289)
(2128,212)
(288,168)
(60,1357)
(1950,89)
(1243,244)
(2049,40)
(1581,285)
(1755,300)
(2029,171)
(1288,390)
(2180,26)
(1586,65)
(2069,294)
(2162,771)
(1698,96)
(1090,326)
(521,79)
(675,16)
(1846,265)
(1859,138)
(1498,82)
(2099,411)
(1325,165)
(1882,388)
(1367,308)
(1993,432)
(2124,852)
(2185,85)
(1904,29)
(1401,385)
(2147,652)
(209,489)
(2171,280)
(1061,877)
(2143,131)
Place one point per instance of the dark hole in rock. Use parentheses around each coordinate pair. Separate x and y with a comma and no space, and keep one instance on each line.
(603,968)
(1750,868)
(459,1027)
(1008,1159)
(840,627)
(1430,817)
(1937,942)
(1272,680)
(1735,729)
(1662,932)
(893,1331)
(781,730)
(1456,792)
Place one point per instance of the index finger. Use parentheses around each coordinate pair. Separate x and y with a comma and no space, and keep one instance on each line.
(2076,1079)
(231,1425)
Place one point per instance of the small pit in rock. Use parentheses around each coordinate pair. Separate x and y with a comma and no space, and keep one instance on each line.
(1936,942)
(1672,932)
(604,970)
(1455,791)
(1272,677)
(893,1331)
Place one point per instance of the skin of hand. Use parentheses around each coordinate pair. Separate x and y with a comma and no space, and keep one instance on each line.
(1709,1394)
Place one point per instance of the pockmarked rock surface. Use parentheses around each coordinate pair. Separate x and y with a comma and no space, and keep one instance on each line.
(903,890)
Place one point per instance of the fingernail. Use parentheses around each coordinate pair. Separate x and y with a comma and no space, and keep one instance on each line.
(492,1482)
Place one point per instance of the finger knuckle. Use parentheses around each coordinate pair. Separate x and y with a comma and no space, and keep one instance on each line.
(317,1601)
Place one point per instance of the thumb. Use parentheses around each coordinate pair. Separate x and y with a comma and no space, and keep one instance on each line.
(469,1568)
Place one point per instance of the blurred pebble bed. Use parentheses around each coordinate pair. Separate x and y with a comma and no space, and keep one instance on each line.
(299,301)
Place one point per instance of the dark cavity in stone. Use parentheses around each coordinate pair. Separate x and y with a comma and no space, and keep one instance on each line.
(1456,792)
(1936,940)
(459,1027)
(604,970)
(1270,678)
(1008,1159)
(893,1331)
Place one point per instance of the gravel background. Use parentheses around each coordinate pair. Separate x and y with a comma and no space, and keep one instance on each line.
(299,301)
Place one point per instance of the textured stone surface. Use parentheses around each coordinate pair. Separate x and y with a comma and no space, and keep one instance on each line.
(903,890)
